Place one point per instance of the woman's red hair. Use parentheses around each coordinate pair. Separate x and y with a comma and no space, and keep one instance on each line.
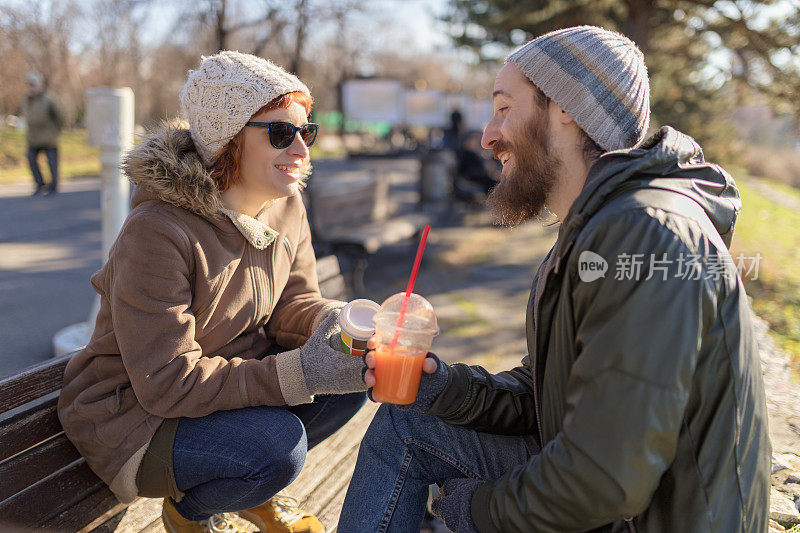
(225,168)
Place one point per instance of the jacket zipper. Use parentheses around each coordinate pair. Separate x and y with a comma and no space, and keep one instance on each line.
(535,364)
(263,303)
(288,246)
(270,280)
(253,257)
(536,397)
(631,525)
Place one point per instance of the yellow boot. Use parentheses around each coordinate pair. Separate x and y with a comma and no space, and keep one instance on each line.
(175,523)
(281,515)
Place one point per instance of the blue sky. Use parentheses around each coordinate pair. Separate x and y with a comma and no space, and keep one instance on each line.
(411,22)
(409,26)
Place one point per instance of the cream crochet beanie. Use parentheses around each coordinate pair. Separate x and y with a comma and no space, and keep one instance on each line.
(225,91)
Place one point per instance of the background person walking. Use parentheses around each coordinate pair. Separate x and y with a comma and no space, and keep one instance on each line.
(45,120)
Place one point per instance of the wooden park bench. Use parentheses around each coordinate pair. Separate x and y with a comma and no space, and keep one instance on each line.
(351,213)
(45,484)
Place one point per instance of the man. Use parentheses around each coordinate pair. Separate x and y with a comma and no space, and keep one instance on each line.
(474,171)
(45,120)
(640,405)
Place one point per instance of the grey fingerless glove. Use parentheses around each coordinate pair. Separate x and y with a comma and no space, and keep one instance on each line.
(327,370)
(317,367)
(455,505)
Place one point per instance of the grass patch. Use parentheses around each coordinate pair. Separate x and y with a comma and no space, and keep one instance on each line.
(773,231)
(786,190)
(777,164)
(470,323)
(327,147)
(76,158)
(478,249)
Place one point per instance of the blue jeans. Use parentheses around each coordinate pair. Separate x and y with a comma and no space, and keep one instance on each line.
(52,162)
(233,460)
(403,452)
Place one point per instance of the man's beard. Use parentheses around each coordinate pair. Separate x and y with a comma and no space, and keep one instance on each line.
(522,194)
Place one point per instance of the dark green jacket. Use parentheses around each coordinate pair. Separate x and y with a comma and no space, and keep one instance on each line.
(646,394)
(45,120)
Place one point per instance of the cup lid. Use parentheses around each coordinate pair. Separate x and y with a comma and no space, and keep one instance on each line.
(357,318)
(419,316)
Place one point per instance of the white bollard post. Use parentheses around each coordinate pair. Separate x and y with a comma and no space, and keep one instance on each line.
(109,121)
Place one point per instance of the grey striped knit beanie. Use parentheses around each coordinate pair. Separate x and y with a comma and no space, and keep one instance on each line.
(225,91)
(597,76)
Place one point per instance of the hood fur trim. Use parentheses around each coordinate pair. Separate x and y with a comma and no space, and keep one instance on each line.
(167,164)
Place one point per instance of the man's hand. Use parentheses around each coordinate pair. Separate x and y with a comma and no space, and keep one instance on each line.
(455,505)
(434,378)
(429,365)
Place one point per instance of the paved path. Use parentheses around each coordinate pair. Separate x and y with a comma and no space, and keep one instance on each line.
(477,276)
(766,188)
(49,247)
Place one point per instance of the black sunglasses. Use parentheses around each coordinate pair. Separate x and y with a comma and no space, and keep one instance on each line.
(281,133)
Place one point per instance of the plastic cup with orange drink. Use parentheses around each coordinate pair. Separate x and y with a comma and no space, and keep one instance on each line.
(404,339)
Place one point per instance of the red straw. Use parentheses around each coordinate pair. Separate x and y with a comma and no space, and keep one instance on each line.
(410,287)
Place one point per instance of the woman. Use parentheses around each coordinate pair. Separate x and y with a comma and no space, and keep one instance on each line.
(212,338)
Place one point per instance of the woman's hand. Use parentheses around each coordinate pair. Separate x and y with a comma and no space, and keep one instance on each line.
(327,370)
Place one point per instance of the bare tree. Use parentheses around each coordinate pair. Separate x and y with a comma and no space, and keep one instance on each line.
(38,36)
(268,28)
(116,45)
(219,18)
(301,21)
(346,46)
(699,52)
(83,43)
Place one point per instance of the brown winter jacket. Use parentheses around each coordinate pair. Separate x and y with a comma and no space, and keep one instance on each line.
(188,306)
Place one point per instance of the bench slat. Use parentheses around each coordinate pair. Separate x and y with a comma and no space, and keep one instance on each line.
(45,482)
(347,200)
(139,517)
(29,427)
(321,486)
(331,485)
(35,464)
(55,496)
(378,234)
(330,512)
(81,514)
(109,521)
(334,289)
(327,268)
(32,383)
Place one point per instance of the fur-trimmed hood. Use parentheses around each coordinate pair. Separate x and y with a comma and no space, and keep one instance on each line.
(167,166)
